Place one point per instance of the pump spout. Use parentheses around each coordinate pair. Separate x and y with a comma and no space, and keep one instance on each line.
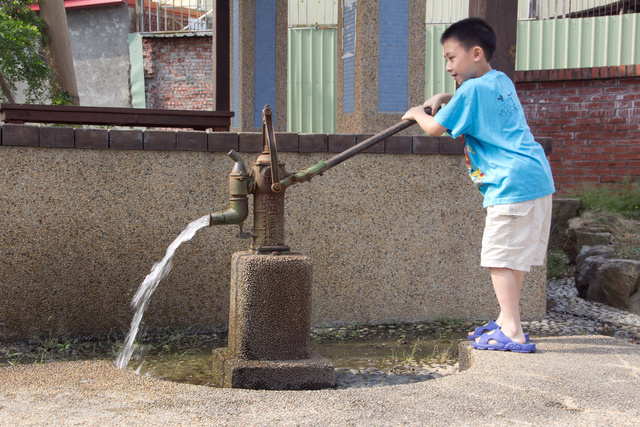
(239,185)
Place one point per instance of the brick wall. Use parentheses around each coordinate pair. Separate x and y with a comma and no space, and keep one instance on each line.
(177,72)
(593,116)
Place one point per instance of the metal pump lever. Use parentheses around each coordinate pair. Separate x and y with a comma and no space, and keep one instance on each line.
(323,165)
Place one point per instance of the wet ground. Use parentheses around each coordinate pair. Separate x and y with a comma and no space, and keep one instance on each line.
(363,356)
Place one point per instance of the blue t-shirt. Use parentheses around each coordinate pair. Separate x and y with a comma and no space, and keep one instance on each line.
(504,160)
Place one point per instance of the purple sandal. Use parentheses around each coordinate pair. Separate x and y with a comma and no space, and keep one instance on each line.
(477,333)
(502,343)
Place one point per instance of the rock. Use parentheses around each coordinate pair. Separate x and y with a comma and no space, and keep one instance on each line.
(569,247)
(619,279)
(587,281)
(592,238)
(634,305)
(605,251)
(562,211)
(582,232)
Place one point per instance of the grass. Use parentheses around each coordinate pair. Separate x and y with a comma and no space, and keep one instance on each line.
(556,263)
(623,200)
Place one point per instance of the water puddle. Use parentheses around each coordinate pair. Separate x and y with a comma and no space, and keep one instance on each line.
(363,362)
(363,356)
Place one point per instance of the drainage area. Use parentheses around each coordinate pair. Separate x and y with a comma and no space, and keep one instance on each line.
(370,356)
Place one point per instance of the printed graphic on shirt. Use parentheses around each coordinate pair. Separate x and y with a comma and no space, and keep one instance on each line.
(476,174)
(507,99)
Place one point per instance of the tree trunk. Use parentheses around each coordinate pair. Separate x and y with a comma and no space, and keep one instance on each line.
(59,46)
(6,89)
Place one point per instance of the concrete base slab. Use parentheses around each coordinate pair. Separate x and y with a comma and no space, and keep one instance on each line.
(313,373)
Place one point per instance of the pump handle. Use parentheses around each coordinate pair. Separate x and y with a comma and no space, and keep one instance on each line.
(271,145)
(322,166)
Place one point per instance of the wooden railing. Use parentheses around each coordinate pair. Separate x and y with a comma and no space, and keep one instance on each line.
(217,121)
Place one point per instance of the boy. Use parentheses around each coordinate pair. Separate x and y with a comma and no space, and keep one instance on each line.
(506,164)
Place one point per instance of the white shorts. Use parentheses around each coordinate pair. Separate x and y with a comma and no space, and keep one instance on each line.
(516,235)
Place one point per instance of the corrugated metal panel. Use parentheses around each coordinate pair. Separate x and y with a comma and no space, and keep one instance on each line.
(446,11)
(552,9)
(311,13)
(437,79)
(578,43)
(138,99)
(312,82)
(449,11)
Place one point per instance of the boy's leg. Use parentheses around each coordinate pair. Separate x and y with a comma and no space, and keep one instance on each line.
(507,284)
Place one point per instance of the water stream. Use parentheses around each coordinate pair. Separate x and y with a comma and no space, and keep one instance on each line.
(158,272)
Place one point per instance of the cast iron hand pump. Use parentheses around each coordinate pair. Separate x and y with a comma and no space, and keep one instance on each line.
(268,181)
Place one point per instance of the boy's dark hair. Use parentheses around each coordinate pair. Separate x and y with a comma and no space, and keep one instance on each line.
(472,32)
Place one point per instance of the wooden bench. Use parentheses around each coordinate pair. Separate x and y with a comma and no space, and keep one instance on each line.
(218,121)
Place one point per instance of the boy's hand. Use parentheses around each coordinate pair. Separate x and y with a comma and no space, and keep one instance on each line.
(436,101)
(414,113)
(426,122)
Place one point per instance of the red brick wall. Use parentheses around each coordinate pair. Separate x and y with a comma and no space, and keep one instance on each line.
(593,116)
(177,72)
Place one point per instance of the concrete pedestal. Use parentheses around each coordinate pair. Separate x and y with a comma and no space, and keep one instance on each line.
(269,324)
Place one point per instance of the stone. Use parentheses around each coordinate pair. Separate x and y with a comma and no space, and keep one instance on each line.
(312,142)
(562,212)
(92,138)
(24,135)
(191,141)
(159,140)
(619,279)
(287,142)
(605,251)
(581,234)
(338,143)
(250,142)
(57,137)
(450,146)
(398,144)
(270,309)
(634,305)
(423,144)
(125,139)
(222,141)
(589,238)
(569,246)
(587,281)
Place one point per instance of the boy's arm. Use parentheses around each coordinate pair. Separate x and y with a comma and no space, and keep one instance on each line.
(425,121)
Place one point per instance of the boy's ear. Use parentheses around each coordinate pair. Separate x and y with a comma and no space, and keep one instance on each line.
(477,53)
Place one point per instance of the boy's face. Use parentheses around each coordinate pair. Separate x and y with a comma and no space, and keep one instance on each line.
(463,64)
